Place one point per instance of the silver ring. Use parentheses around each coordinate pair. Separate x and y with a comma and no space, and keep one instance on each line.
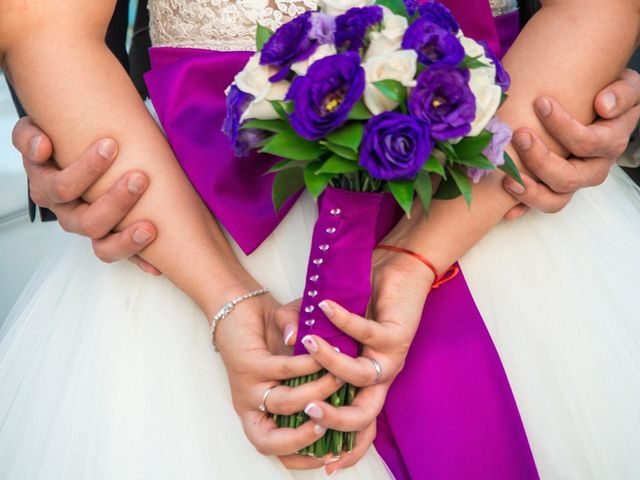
(378,368)
(263,407)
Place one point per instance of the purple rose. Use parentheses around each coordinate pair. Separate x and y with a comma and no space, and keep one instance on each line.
(443,98)
(395,146)
(433,43)
(495,150)
(326,94)
(289,44)
(352,26)
(323,28)
(440,15)
(503,80)
(242,140)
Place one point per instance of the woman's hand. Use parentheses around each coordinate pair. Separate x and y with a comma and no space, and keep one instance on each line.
(253,369)
(400,288)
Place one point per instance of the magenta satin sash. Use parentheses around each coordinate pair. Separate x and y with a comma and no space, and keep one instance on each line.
(451,413)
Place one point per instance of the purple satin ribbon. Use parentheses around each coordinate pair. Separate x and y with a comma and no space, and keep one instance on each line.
(451,413)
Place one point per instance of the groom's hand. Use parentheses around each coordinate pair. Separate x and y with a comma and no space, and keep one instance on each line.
(593,148)
(61,192)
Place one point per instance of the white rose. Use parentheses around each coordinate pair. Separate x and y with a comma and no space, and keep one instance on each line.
(254,80)
(338,7)
(389,39)
(322,51)
(483,85)
(400,66)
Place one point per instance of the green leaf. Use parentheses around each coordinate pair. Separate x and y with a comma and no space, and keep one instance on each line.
(288,144)
(503,98)
(349,136)
(479,161)
(263,34)
(275,126)
(433,165)
(396,6)
(314,181)
(510,169)
(285,184)
(403,193)
(342,151)
(462,182)
(424,188)
(448,150)
(447,190)
(285,164)
(472,62)
(282,108)
(336,164)
(473,146)
(359,112)
(393,90)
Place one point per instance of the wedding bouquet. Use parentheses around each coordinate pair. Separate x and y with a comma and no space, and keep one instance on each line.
(364,102)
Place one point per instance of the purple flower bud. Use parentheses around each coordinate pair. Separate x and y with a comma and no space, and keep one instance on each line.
(395,146)
(324,97)
(442,98)
(352,26)
(503,80)
(289,44)
(495,150)
(433,43)
(437,13)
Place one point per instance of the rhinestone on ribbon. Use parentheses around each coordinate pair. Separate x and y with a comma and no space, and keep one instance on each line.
(324,247)
(310,323)
(309,309)
(331,230)
(312,293)
(314,278)
(335,212)
(318,261)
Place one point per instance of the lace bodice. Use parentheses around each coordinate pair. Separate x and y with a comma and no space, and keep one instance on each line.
(231,24)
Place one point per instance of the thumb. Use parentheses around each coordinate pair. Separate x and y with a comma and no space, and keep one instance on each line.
(286,318)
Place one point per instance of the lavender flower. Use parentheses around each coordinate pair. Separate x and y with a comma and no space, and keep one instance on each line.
(242,140)
(503,80)
(495,150)
(395,146)
(291,43)
(352,26)
(433,43)
(326,94)
(323,28)
(442,98)
(440,15)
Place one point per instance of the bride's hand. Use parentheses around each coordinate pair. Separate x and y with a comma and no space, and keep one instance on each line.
(252,369)
(400,288)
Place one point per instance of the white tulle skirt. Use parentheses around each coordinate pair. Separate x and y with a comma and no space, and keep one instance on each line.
(106,372)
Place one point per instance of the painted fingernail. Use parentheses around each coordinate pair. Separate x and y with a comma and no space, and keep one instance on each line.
(313,410)
(331,460)
(310,344)
(34,144)
(136,184)
(339,381)
(333,474)
(523,141)
(544,107)
(609,99)
(107,149)
(141,236)
(326,308)
(515,187)
(288,333)
(319,429)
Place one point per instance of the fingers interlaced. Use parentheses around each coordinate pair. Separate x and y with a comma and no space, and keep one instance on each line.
(283,400)
(268,439)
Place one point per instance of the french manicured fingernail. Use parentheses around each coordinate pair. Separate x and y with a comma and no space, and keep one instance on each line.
(313,410)
(523,141)
(326,308)
(141,236)
(34,144)
(310,344)
(288,333)
(331,460)
(107,149)
(334,473)
(319,429)
(137,183)
(515,187)
(544,107)
(609,99)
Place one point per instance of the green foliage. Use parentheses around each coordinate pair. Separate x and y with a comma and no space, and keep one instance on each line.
(447,189)
(263,34)
(336,165)
(403,193)
(349,136)
(359,112)
(285,184)
(286,163)
(424,189)
(393,90)
(462,182)
(283,109)
(288,144)
(396,6)
(275,126)
(510,169)
(479,161)
(344,152)
(314,181)
(472,62)
(433,165)
(473,146)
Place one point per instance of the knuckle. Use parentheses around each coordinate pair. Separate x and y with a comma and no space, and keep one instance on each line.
(101,254)
(62,191)
(261,447)
(285,370)
(569,184)
(600,177)
(91,227)
(619,148)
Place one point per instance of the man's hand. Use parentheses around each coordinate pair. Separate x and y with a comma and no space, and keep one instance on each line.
(61,192)
(594,148)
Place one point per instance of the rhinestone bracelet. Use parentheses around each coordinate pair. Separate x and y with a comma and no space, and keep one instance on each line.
(228,308)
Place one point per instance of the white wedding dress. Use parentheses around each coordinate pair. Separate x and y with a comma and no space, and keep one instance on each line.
(108,373)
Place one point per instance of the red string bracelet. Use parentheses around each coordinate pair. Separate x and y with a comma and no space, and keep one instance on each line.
(440,280)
